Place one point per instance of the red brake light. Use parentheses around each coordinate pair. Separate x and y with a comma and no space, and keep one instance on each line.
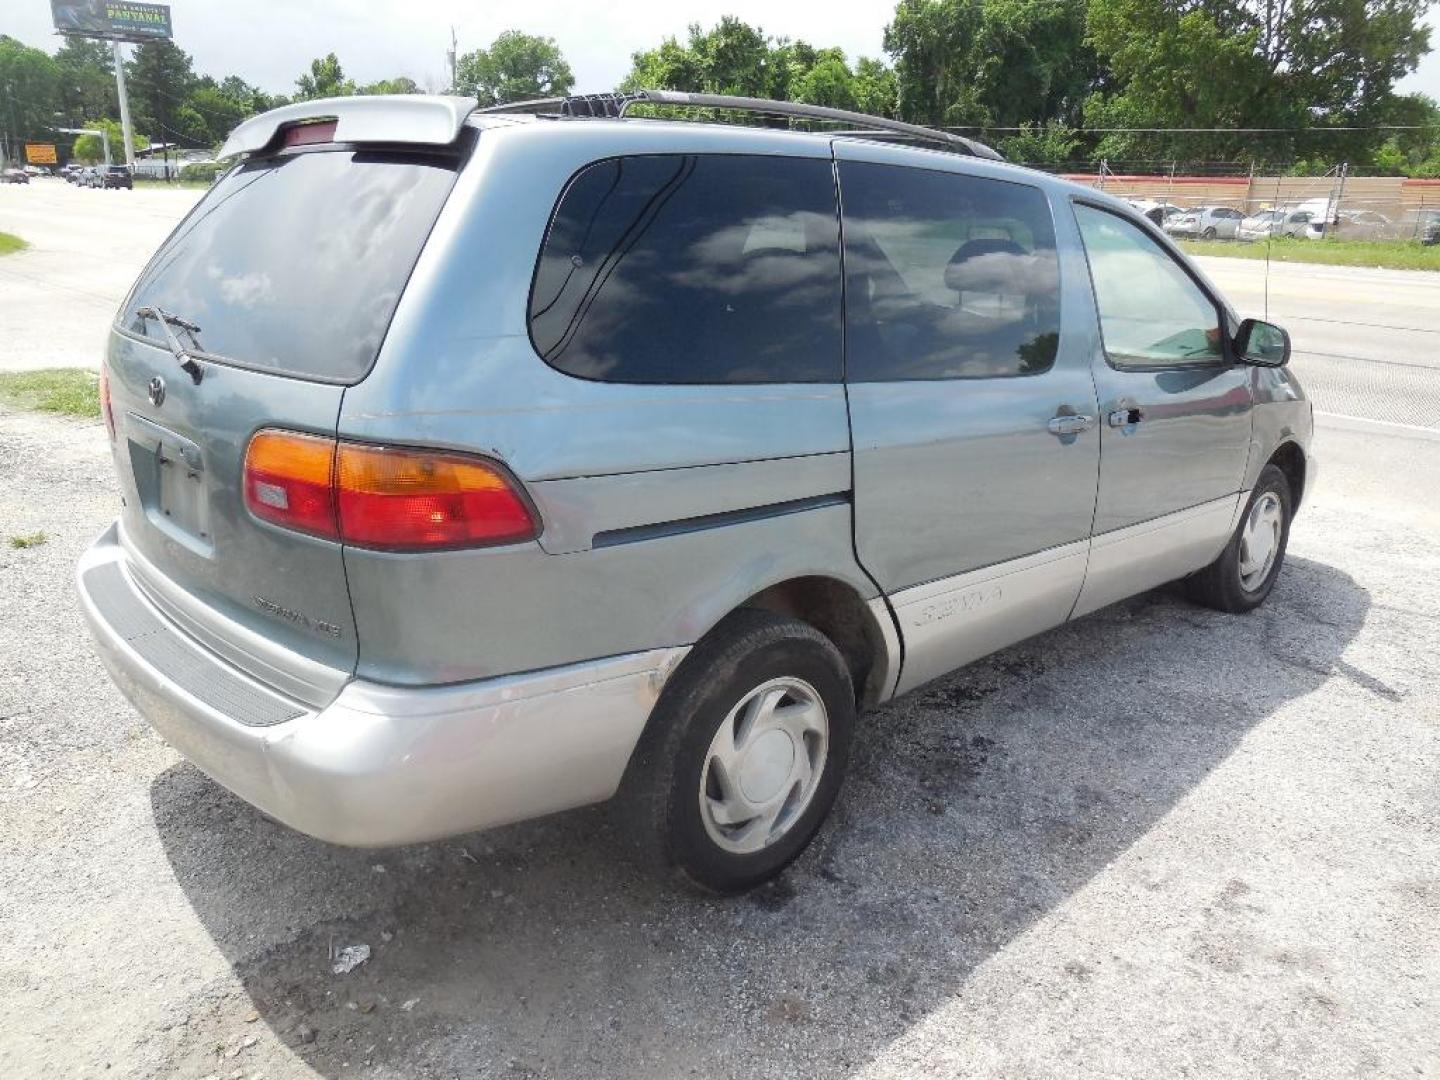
(310,132)
(411,500)
(382,497)
(106,409)
(289,481)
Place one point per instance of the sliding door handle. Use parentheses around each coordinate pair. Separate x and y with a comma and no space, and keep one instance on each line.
(1070,425)
(1126,417)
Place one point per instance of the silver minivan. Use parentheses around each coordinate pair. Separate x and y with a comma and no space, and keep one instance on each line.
(478,465)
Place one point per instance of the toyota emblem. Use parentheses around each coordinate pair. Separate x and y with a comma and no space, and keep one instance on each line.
(157,390)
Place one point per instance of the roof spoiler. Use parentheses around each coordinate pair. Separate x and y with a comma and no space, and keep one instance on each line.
(388,118)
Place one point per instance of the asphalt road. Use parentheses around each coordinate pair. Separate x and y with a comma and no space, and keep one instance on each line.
(1157,842)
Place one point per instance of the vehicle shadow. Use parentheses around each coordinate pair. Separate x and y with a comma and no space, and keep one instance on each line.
(975,806)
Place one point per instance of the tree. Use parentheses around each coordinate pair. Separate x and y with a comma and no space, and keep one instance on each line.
(402,84)
(876,91)
(160,79)
(91,149)
(990,62)
(325,79)
(736,58)
(1051,143)
(29,94)
(516,67)
(87,80)
(1304,66)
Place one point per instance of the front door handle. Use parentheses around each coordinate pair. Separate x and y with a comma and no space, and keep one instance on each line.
(1126,417)
(1070,425)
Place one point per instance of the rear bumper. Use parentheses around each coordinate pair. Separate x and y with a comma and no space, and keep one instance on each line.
(380,765)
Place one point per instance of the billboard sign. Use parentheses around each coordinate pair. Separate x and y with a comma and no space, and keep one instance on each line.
(118,20)
(38,153)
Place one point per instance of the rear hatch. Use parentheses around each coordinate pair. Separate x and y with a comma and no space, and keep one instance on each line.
(279,286)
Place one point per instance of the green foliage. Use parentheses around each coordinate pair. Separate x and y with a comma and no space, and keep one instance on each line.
(71,391)
(91,148)
(400,85)
(203,172)
(1317,65)
(516,67)
(160,78)
(734,57)
(1390,254)
(30,85)
(1051,143)
(990,62)
(10,243)
(28,540)
(87,81)
(324,79)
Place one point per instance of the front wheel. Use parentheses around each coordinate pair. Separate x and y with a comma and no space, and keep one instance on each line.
(1245,572)
(744,754)
(1209,234)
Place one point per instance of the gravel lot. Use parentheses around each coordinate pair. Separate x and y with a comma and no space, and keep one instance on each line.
(1158,842)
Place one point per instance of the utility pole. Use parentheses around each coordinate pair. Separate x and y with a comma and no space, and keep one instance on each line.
(450,58)
(124,108)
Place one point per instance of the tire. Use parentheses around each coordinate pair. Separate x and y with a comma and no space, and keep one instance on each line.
(1224,584)
(1208,234)
(684,810)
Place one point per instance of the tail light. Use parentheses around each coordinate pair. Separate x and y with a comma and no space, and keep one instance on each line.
(289,481)
(106,409)
(383,497)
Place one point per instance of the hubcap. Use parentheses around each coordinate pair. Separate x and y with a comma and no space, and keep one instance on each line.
(764,765)
(1260,541)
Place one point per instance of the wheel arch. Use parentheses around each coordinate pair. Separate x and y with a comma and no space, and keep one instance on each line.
(862,630)
(1290,459)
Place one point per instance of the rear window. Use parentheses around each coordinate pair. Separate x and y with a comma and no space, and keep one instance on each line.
(677,268)
(295,264)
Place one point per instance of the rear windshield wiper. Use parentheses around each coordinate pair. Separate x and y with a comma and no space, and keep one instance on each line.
(166,320)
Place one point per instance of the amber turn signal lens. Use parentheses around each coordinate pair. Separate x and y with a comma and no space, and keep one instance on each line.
(289,481)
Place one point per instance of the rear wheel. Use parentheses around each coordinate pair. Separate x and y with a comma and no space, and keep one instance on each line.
(1209,234)
(744,754)
(1242,577)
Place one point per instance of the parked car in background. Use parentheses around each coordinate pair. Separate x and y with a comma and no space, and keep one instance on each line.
(1157,212)
(14,176)
(1268,223)
(70,173)
(1205,223)
(115,176)
(1426,227)
(360,579)
(1350,225)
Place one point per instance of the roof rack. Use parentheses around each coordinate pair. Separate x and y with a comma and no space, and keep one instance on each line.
(615,106)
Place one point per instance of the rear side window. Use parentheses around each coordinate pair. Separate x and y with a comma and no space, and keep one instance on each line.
(692,269)
(947,276)
(295,264)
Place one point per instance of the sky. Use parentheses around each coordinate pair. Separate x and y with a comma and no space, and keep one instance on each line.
(270,42)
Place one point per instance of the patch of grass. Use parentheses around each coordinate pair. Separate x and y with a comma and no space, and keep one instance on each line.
(10,243)
(30,540)
(1389,254)
(71,391)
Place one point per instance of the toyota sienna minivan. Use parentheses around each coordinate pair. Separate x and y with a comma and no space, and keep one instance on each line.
(475,465)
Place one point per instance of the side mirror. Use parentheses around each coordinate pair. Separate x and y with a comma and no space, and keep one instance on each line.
(1262,344)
